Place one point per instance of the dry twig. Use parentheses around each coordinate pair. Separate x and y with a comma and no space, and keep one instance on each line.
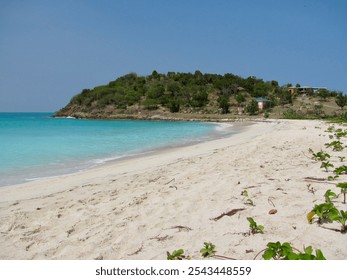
(181,228)
(229,213)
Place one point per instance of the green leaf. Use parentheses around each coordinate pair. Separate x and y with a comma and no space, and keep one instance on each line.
(291,256)
(319,255)
(178,252)
(305,257)
(250,202)
(244,193)
(252,223)
(274,246)
(269,254)
(342,185)
(175,254)
(328,194)
(286,251)
(309,250)
(260,228)
(310,216)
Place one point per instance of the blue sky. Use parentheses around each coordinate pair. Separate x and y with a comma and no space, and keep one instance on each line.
(51,50)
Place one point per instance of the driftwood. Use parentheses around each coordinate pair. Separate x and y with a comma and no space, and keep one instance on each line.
(229,213)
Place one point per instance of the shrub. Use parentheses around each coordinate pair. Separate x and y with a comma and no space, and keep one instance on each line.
(292,114)
(252,107)
(150,104)
(285,251)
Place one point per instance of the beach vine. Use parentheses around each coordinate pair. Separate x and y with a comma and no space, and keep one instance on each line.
(327,212)
(273,251)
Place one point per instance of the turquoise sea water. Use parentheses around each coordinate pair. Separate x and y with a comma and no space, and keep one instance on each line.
(33,145)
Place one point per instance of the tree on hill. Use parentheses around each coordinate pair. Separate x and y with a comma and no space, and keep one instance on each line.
(240,99)
(341,100)
(252,107)
(323,94)
(285,97)
(224,105)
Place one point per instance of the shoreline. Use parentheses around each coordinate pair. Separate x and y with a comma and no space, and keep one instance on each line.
(167,200)
(169,150)
(77,165)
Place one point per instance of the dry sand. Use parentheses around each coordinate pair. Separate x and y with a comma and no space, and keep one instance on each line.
(141,207)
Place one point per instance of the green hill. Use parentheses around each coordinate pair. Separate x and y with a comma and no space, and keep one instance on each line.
(187,95)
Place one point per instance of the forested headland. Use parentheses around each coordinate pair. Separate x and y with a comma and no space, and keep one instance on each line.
(193,95)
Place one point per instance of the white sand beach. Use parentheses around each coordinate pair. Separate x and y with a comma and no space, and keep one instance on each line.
(140,208)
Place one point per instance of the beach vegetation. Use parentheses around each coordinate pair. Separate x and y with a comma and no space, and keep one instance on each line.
(332,178)
(284,251)
(340,170)
(250,202)
(177,255)
(336,145)
(208,250)
(254,227)
(343,187)
(328,213)
(325,213)
(342,158)
(244,193)
(273,250)
(339,119)
(341,217)
(320,156)
(339,133)
(329,194)
(326,165)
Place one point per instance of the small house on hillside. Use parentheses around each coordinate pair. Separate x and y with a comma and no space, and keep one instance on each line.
(263,103)
(304,90)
